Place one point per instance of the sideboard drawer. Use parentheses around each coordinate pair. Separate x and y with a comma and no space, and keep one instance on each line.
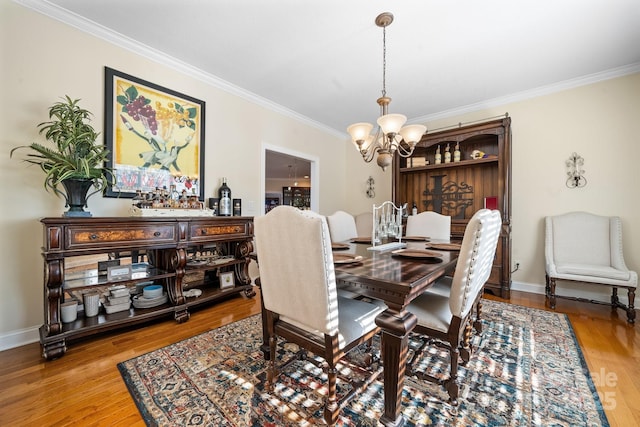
(156,234)
(202,232)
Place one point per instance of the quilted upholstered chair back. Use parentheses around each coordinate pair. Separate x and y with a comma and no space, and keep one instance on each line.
(584,238)
(364,224)
(429,224)
(296,267)
(342,226)
(475,260)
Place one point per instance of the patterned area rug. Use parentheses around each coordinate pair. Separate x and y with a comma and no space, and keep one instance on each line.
(527,369)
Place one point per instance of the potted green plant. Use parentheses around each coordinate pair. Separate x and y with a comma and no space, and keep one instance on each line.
(75,162)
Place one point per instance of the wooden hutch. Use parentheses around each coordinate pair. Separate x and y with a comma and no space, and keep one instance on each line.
(481,178)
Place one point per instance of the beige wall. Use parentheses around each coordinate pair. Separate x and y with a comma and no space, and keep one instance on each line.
(37,67)
(43,60)
(598,121)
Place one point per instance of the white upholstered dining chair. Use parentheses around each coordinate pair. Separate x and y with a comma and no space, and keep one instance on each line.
(446,320)
(364,224)
(587,248)
(301,304)
(342,226)
(429,224)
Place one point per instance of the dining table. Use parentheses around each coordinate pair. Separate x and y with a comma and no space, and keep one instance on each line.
(394,276)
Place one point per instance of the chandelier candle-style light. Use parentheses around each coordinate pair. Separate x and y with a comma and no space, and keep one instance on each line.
(390,135)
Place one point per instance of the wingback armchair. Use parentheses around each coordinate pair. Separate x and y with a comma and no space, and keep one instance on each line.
(587,248)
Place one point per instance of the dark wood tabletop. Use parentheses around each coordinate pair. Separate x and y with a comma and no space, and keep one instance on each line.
(396,280)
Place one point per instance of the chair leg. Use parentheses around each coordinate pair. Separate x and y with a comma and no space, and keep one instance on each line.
(331,405)
(631,311)
(477,324)
(551,291)
(615,301)
(451,384)
(465,344)
(271,371)
(546,285)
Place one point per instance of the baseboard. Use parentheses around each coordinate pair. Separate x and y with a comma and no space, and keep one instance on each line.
(27,336)
(19,338)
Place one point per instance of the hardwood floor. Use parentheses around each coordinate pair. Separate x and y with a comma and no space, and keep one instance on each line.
(84,388)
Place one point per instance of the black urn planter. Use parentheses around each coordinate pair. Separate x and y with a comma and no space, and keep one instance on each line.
(76,196)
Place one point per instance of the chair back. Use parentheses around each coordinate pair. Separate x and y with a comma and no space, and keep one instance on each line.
(430,224)
(475,260)
(364,224)
(342,226)
(583,238)
(296,267)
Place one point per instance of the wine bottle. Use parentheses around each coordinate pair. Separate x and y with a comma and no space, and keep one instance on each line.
(224,194)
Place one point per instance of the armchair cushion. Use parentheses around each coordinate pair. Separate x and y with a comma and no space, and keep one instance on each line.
(600,271)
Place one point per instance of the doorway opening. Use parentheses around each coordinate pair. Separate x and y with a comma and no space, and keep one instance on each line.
(289,178)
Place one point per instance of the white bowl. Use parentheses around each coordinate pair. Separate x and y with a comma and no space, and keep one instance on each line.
(152,291)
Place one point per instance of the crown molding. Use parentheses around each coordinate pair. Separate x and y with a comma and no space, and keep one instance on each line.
(532,93)
(55,12)
(85,25)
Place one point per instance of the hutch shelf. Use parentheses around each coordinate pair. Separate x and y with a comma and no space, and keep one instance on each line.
(299,197)
(161,251)
(481,178)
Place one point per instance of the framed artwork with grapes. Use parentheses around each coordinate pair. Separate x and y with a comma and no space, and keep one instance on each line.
(155,137)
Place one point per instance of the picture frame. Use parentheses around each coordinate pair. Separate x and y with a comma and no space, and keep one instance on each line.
(214,203)
(119,272)
(155,136)
(237,207)
(227,280)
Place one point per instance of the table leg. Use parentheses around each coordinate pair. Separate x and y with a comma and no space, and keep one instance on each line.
(396,327)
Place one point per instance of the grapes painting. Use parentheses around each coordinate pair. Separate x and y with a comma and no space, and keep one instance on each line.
(157,134)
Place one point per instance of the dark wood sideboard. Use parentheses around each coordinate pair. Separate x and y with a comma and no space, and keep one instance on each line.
(164,244)
(461,188)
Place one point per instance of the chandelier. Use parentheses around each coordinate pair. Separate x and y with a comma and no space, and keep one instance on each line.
(390,136)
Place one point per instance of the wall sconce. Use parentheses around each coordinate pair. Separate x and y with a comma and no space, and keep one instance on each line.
(370,193)
(575,172)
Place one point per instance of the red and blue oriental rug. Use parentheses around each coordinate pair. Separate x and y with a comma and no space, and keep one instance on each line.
(527,370)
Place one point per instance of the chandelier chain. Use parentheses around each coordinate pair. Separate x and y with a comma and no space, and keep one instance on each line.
(384,61)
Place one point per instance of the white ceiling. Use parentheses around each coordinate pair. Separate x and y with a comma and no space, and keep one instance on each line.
(321,60)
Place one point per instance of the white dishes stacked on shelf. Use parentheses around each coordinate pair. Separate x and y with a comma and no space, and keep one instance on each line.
(118,299)
(152,291)
(152,296)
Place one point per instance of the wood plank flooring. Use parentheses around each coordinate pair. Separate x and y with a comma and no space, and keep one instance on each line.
(84,388)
